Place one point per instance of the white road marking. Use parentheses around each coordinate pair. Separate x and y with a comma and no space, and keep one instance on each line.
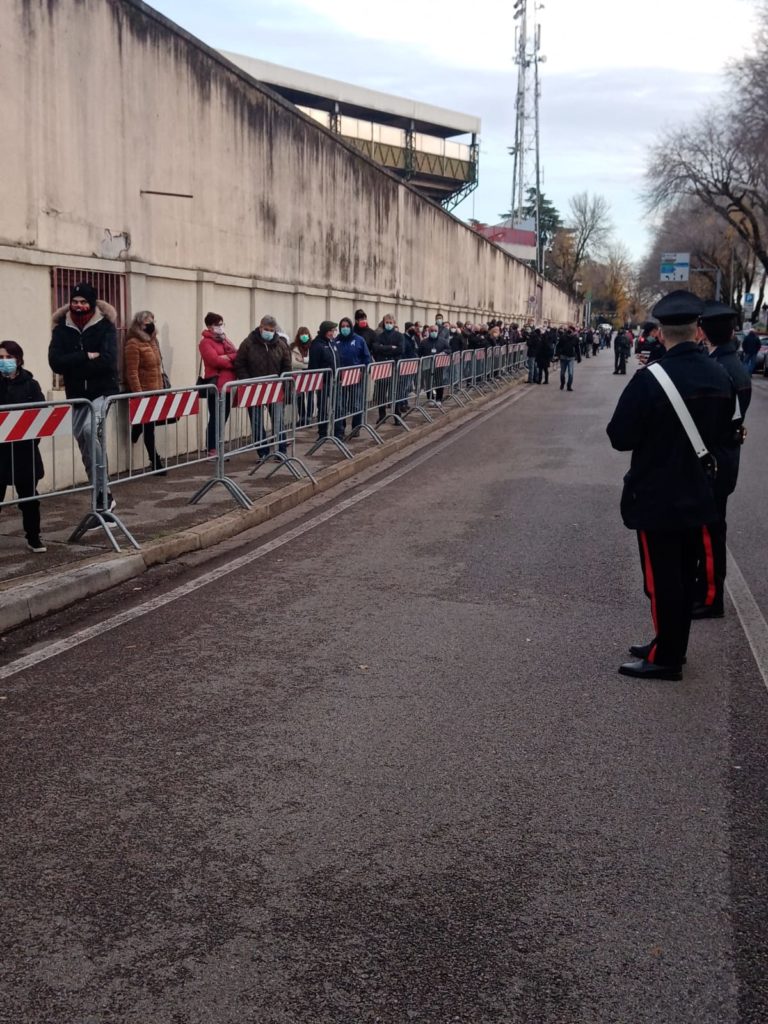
(82,636)
(751,618)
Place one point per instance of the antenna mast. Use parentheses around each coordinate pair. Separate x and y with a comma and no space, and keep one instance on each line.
(526,174)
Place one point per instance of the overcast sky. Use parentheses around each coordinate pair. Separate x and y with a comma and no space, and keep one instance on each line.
(616,74)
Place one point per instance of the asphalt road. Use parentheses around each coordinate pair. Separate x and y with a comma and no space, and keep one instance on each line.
(388,772)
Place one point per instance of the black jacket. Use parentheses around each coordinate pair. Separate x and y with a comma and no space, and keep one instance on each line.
(20,461)
(388,345)
(666,487)
(433,346)
(751,344)
(67,353)
(729,456)
(323,355)
(568,347)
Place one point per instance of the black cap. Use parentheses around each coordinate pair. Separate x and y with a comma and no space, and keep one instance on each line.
(325,326)
(678,308)
(360,314)
(86,291)
(714,310)
(650,325)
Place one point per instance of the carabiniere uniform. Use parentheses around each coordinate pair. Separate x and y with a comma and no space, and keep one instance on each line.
(669,492)
(718,323)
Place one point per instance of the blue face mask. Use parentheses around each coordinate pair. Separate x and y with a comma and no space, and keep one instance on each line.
(433,334)
(389,327)
(267,335)
(345,332)
(8,366)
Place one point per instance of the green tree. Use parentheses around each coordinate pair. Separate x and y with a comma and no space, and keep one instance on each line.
(550,220)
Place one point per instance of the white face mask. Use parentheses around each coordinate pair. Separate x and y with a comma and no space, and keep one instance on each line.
(218,330)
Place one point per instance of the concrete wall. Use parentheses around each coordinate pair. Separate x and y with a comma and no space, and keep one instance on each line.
(105,102)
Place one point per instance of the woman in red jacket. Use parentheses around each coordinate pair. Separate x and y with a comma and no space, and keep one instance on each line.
(218,355)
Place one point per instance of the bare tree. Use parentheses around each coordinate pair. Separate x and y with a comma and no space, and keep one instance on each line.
(587,231)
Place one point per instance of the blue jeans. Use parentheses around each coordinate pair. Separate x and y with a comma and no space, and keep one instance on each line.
(533,370)
(749,363)
(566,367)
(260,435)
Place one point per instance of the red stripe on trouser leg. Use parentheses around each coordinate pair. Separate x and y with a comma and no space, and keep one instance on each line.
(709,567)
(649,583)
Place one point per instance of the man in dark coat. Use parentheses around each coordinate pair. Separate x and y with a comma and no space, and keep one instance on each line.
(568,351)
(363,329)
(717,325)
(264,353)
(83,350)
(668,492)
(750,347)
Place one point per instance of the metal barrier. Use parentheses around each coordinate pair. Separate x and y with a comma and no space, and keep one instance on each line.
(442,381)
(380,389)
(174,436)
(37,433)
(457,393)
(408,381)
(350,388)
(252,402)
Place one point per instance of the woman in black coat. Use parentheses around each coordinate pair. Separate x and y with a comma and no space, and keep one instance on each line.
(20,464)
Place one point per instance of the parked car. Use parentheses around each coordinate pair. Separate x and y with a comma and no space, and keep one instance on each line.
(761,363)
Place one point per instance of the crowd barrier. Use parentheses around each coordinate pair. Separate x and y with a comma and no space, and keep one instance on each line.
(269,417)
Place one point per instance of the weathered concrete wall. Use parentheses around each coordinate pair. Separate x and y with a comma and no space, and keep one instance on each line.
(105,102)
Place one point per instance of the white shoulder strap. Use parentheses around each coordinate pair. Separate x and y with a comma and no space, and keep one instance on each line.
(680,408)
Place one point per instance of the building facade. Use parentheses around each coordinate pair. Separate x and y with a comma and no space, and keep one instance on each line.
(143,156)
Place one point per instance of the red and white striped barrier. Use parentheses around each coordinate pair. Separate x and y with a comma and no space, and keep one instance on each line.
(305,382)
(380,371)
(34,424)
(442,360)
(407,366)
(347,378)
(269,392)
(163,407)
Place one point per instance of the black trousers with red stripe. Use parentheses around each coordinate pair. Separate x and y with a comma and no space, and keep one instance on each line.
(710,576)
(669,559)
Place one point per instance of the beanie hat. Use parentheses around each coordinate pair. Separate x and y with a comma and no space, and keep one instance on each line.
(360,314)
(84,291)
(325,326)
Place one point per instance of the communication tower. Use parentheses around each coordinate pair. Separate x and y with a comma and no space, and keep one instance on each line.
(525,151)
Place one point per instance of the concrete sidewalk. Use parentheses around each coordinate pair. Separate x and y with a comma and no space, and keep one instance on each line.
(157,511)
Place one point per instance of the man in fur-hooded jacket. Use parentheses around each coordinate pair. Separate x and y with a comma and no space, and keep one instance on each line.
(83,351)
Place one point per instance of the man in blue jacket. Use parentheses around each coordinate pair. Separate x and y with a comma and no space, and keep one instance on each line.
(350,400)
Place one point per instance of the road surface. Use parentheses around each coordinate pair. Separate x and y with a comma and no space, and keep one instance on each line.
(387,772)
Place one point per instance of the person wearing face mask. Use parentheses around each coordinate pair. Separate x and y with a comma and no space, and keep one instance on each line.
(363,329)
(433,345)
(144,372)
(300,361)
(217,356)
(443,329)
(323,355)
(264,353)
(83,350)
(351,351)
(21,467)
(389,344)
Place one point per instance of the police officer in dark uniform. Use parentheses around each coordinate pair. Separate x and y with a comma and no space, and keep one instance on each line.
(668,492)
(717,325)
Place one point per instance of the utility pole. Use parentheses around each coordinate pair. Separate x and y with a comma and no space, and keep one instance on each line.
(526,151)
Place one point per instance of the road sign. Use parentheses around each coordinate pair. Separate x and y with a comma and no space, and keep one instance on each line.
(749,303)
(675,266)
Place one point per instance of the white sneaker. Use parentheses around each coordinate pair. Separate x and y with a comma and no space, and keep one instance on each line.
(36,545)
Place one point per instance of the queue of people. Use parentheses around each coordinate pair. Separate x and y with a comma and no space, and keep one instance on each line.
(83,352)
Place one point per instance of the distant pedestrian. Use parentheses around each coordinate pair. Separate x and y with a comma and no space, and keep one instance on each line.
(217,355)
(21,467)
(750,347)
(351,351)
(143,371)
(434,345)
(83,350)
(568,352)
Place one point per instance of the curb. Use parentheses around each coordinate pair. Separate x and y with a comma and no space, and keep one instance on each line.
(31,601)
